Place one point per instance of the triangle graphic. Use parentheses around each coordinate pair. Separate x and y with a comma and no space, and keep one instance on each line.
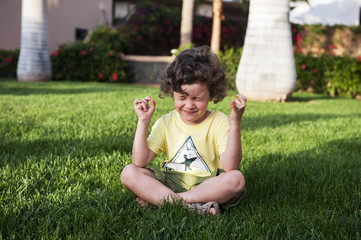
(187,159)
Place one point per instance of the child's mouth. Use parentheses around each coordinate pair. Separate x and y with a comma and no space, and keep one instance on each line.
(189,112)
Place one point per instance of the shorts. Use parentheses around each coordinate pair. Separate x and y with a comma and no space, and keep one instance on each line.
(181,181)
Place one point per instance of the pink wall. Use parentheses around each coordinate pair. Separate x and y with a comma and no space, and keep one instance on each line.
(63,17)
(10,23)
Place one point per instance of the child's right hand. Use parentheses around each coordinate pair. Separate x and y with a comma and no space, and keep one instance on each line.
(143,110)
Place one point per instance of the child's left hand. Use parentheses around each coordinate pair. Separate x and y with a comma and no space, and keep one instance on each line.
(237,106)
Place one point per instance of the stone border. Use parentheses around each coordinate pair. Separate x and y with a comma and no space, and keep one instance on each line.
(146,69)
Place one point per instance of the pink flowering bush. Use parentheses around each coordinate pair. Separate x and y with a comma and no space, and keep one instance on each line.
(232,32)
(8,63)
(152,30)
(155,29)
(88,62)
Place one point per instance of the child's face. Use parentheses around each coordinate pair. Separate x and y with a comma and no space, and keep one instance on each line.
(192,106)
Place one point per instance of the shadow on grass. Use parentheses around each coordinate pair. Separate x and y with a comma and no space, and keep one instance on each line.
(59,214)
(42,91)
(15,152)
(41,88)
(278,120)
(299,187)
(326,176)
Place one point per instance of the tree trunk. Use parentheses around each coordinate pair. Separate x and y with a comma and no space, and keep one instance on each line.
(216,27)
(266,71)
(186,23)
(34,61)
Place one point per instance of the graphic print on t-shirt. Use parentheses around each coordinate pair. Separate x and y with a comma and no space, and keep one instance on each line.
(187,159)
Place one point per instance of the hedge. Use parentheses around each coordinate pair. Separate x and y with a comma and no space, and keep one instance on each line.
(8,63)
(88,62)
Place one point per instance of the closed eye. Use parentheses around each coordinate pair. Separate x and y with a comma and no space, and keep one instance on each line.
(182,97)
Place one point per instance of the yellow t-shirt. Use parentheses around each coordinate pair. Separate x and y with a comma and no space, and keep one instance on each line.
(193,149)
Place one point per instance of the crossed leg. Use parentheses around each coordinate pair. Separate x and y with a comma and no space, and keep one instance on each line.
(221,189)
(142,182)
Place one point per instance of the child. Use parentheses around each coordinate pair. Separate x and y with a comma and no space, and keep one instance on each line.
(203,147)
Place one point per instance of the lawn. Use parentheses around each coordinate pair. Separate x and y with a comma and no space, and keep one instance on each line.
(63,146)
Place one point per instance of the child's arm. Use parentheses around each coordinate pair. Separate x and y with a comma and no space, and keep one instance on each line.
(232,156)
(141,154)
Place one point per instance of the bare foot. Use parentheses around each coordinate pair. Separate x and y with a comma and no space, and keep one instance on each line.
(213,211)
(141,202)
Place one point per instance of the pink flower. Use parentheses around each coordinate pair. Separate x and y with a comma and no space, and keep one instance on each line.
(111,53)
(333,46)
(9,60)
(115,77)
(91,49)
(83,53)
(55,53)
(122,55)
(100,75)
(303,67)
(359,58)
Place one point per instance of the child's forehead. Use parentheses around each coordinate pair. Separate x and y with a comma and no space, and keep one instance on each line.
(193,89)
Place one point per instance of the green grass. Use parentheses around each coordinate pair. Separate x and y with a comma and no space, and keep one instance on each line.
(63,146)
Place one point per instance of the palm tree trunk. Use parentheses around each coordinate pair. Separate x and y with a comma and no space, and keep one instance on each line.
(34,61)
(186,23)
(266,71)
(216,27)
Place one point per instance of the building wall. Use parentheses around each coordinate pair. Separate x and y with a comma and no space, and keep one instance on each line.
(10,23)
(64,16)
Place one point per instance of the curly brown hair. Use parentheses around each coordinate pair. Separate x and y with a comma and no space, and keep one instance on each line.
(197,65)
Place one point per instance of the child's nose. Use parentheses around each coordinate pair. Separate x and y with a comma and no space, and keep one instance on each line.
(189,104)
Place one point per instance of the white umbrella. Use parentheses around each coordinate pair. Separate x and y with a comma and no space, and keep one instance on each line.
(327,12)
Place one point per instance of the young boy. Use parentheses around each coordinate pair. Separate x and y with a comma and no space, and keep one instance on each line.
(203,147)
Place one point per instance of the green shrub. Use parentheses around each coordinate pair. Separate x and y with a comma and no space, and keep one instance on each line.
(328,74)
(310,73)
(8,63)
(343,76)
(230,58)
(152,30)
(88,62)
(109,38)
